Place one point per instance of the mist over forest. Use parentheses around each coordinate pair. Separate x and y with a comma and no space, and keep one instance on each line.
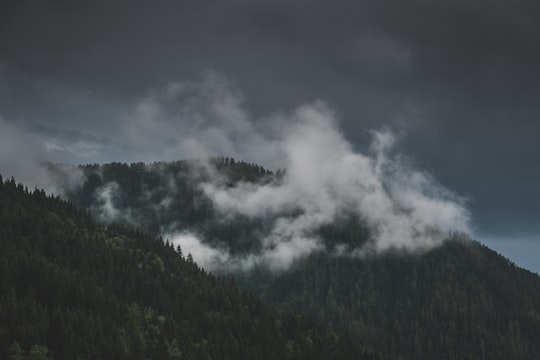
(323,177)
(269,180)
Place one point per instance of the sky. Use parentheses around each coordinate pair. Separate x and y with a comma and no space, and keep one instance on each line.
(457,82)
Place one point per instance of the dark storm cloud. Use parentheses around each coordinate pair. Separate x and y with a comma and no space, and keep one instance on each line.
(459,79)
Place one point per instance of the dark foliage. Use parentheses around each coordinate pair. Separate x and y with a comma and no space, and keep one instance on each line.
(73,289)
(167,196)
(460,301)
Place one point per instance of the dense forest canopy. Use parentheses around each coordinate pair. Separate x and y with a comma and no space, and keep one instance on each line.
(71,288)
(458,300)
(168,199)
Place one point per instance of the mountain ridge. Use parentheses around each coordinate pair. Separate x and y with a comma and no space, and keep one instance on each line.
(72,288)
(459,300)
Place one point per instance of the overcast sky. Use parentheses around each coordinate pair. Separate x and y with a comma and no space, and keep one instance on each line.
(458,81)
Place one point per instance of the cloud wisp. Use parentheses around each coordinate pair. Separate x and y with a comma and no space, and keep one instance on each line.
(21,156)
(403,207)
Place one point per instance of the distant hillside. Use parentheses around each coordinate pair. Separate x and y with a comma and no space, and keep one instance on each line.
(71,288)
(167,197)
(459,301)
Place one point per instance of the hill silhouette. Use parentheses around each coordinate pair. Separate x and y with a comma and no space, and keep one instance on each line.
(71,288)
(458,300)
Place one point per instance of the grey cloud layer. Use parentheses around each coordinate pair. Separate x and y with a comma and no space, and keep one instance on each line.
(404,208)
(460,78)
(326,177)
(22,156)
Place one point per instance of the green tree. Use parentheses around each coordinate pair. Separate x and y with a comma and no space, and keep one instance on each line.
(15,352)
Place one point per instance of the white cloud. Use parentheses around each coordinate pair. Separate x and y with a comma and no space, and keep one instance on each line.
(22,155)
(204,255)
(193,120)
(404,208)
(276,258)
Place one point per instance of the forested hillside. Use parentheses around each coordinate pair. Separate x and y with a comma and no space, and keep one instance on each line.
(71,288)
(458,301)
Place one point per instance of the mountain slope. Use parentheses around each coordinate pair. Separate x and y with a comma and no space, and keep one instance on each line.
(73,289)
(461,300)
